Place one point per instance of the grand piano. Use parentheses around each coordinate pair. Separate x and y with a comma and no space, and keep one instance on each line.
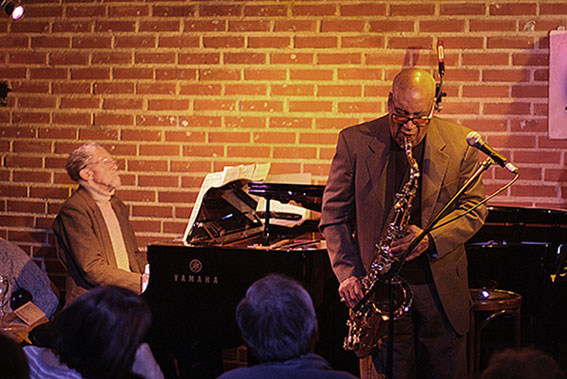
(196,283)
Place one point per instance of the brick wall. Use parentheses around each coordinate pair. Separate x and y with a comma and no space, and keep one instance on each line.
(177,89)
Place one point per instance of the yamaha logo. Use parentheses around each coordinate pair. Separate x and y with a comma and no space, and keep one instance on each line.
(195,266)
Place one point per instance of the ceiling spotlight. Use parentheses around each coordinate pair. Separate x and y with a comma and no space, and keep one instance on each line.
(13,9)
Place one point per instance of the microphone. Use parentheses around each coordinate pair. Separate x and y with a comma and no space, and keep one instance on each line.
(475,140)
(441,57)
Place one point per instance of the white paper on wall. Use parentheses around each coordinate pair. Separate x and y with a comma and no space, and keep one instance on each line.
(557,114)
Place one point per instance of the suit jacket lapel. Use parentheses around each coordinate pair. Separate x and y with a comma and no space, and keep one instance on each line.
(379,148)
(434,170)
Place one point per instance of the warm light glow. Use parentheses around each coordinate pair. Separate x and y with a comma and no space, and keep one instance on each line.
(13,9)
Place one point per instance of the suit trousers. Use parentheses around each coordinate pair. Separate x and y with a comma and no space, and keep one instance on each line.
(425,343)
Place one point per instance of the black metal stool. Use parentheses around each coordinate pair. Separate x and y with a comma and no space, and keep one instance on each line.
(489,304)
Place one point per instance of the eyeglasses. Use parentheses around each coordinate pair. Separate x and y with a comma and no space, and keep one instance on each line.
(107,162)
(419,121)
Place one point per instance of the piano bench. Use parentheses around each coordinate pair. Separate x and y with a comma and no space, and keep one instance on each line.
(489,305)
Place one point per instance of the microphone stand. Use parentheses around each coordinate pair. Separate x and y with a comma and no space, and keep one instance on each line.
(417,239)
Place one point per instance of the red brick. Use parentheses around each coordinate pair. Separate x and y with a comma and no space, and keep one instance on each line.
(177,197)
(532,191)
(462,9)
(510,42)
(104,88)
(132,73)
(510,75)
(17,132)
(200,121)
(248,151)
(91,42)
(249,26)
(71,88)
(265,10)
(295,152)
(159,26)
(26,206)
(13,191)
(32,176)
(112,119)
(151,120)
(295,26)
(461,107)
(313,75)
(388,26)
(262,106)
(29,27)
(158,181)
(553,8)
(140,135)
(315,42)
(220,10)
(244,58)
(229,137)
(146,165)
(66,59)
(284,167)
(245,122)
(530,59)
(336,59)
(168,104)
(27,58)
(86,11)
(47,73)
(202,104)
(410,43)
(133,10)
(184,136)
(245,89)
(80,102)
(98,134)
(315,10)
(155,58)
(485,59)
(153,88)
(21,221)
(363,41)
(36,102)
(485,25)
(173,11)
(359,107)
(273,137)
(201,58)
(454,26)
(178,42)
(551,175)
(223,42)
(364,9)
(135,42)
(30,118)
(122,103)
(528,125)
(317,169)
(68,26)
(523,91)
(176,74)
(193,25)
(415,9)
(335,124)
(74,118)
(264,74)
(199,89)
(389,58)
(485,91)
(57,133)
(90,73)
(115,26)
(269,42)
(310,106)
(185,166)
(160,150)
(203,151)
(517,9)
(342,26)
(152,211)
(359,74)
(293,89)
(146,226)
(339,90)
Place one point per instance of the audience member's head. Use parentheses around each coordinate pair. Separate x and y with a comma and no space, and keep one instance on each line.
(98,333)
(79,158)
(13,362)
(277,319)
(522,363)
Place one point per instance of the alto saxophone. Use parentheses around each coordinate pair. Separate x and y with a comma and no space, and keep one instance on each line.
(367,319)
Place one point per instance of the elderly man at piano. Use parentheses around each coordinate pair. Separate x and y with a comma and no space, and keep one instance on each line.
(95,240)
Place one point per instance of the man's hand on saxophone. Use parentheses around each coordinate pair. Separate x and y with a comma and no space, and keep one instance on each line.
(350,291)
(401,245)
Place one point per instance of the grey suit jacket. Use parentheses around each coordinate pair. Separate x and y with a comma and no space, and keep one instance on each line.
(85,249)
(354,198)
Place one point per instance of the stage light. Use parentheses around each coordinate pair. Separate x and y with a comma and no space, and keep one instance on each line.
(13,9)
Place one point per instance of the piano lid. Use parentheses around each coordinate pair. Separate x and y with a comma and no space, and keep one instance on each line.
(228,213)
(306,195)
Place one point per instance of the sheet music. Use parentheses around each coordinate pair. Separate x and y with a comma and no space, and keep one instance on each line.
(258,171)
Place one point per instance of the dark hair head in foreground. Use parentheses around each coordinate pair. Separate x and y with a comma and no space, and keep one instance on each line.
(522,363)
(98,333)
(277,319)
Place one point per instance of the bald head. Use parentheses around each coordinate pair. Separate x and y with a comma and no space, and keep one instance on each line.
(415,82)
(412,96)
